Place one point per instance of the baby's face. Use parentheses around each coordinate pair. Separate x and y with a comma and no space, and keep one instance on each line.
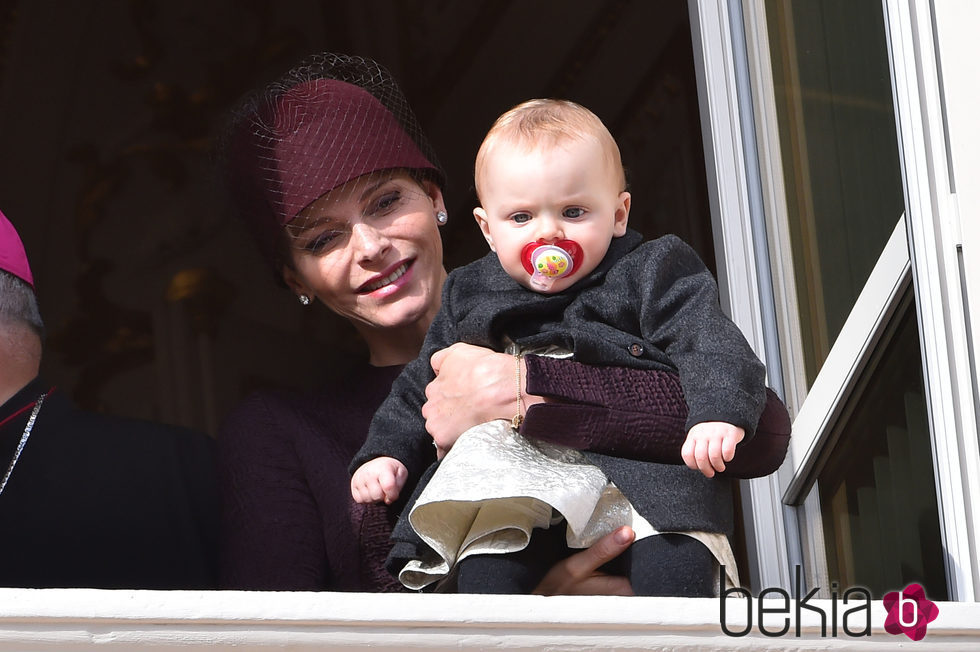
(551,193)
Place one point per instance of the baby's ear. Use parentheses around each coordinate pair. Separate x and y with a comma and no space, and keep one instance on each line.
(481,219)
(622,215)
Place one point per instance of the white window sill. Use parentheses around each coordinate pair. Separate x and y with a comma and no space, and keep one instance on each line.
(74,619)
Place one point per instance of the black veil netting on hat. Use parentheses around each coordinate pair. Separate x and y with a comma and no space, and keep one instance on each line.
(301,135)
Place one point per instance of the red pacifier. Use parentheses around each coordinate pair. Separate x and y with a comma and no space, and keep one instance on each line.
(548,262)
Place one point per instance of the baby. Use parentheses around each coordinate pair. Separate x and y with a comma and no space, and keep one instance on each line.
(567,277)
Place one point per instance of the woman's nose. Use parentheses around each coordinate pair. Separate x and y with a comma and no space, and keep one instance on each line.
(370,243)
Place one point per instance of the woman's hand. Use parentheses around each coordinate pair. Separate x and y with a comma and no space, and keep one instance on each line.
(580,575)
(473,385)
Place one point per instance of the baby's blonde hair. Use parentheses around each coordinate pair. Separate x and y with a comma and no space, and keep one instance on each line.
(551,122)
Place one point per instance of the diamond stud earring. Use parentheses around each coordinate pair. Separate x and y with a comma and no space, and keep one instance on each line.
(442,217)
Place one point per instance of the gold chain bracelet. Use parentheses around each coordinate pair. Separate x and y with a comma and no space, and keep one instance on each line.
(518,418)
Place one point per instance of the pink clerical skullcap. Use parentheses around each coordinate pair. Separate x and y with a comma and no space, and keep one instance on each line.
(321,134)
(13,258)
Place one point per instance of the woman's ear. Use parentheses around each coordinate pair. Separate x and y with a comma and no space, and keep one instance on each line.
(434,192)
(622,214)
(292,280)
(481,219)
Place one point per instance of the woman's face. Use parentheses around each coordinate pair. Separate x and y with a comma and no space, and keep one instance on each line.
(370,250)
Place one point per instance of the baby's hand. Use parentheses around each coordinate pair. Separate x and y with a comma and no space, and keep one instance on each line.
(709,445)
(380,480)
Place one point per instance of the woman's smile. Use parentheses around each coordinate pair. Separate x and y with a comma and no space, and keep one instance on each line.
(389,281)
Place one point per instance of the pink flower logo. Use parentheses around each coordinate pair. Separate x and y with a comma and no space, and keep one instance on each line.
(909,612)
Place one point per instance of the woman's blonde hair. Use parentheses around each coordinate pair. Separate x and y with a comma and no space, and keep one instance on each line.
(550,122)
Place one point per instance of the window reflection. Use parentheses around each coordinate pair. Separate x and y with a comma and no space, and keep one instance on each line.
(840,154)
(877,493)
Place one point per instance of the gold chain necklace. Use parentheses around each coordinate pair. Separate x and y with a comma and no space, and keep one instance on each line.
(23,439)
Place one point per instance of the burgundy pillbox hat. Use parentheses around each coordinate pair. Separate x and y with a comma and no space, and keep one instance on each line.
(320,135)
(13,258)
(328,120)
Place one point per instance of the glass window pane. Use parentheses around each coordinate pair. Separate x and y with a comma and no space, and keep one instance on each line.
(840,154)
(876,487)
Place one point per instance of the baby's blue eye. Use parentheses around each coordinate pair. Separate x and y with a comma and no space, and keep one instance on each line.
(521,218)
(573,212)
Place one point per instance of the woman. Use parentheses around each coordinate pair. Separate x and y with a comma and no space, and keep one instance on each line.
(333,175)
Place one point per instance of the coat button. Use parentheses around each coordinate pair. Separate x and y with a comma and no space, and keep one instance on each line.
(636,350)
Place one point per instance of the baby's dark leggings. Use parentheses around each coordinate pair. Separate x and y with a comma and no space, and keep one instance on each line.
(666,564)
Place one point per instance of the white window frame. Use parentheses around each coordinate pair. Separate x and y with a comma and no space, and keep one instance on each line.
(840,372)
(819,406)
(920,88)
(926,246)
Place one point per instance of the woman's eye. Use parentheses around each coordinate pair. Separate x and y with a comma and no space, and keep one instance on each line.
(321,242)
(573,212)
(521,218)
(386,203)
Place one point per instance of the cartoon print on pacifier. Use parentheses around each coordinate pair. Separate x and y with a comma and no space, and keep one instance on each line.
(548,262)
